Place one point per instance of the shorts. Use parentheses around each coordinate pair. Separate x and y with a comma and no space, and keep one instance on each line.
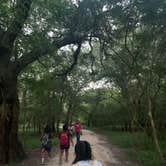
(64,147)
(47,148)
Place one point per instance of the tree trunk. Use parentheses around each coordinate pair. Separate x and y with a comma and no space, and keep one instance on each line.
(154,132)
(10,147)
(57,126)
(24,108)
(68,113)
(53,126)
(89,121)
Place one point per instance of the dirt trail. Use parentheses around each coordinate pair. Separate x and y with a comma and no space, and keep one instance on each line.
(109,155)
(102,151)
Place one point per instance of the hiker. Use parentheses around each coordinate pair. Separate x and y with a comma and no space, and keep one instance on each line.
(46,143)
(78,131)
(71,129)
(65,138)
(83,155)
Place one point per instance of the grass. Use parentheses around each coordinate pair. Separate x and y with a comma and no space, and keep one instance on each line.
(144,150)
(146,158)
(12,164)
(31,140)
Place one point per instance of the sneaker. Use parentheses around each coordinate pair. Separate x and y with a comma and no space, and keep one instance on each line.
(42,161)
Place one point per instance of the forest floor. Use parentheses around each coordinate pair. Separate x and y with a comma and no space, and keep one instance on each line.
(103,150)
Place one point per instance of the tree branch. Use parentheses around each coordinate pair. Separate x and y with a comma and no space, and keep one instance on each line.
(126,36)
(22,10)
(1,33)
(30,57)
(75,59)
(36,53)
(69,39)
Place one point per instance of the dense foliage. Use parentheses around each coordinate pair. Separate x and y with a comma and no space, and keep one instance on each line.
(52,51)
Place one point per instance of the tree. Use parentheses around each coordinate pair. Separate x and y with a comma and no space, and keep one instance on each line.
(29,30)
(131,58)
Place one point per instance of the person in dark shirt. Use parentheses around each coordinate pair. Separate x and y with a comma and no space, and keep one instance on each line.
(46,140)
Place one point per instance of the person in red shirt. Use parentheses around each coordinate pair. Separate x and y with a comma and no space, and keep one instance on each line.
(64,140)
(78,131)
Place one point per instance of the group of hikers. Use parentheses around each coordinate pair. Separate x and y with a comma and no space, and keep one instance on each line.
(83,152)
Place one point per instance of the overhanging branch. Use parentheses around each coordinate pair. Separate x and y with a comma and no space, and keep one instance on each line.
(30,57)
(36,53)
(75,60)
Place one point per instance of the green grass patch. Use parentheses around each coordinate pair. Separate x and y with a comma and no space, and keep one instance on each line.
(31,140)
(143,147)
(120,139)
(146,157)
(13,164)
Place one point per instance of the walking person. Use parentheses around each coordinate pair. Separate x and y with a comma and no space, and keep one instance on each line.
(65,138)
(71,128)
(46,140)
(83,155)
(78,130)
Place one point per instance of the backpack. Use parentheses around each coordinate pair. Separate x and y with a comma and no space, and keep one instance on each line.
(45,139)
(64,138)
(77,128)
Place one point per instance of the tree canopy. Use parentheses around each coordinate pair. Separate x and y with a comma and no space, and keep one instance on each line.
(50,51)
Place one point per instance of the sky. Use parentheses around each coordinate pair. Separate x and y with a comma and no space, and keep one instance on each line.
(99,84)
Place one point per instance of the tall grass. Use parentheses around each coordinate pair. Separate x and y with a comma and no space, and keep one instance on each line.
(143,150)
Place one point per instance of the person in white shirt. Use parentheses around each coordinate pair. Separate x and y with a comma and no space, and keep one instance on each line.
(83,155)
